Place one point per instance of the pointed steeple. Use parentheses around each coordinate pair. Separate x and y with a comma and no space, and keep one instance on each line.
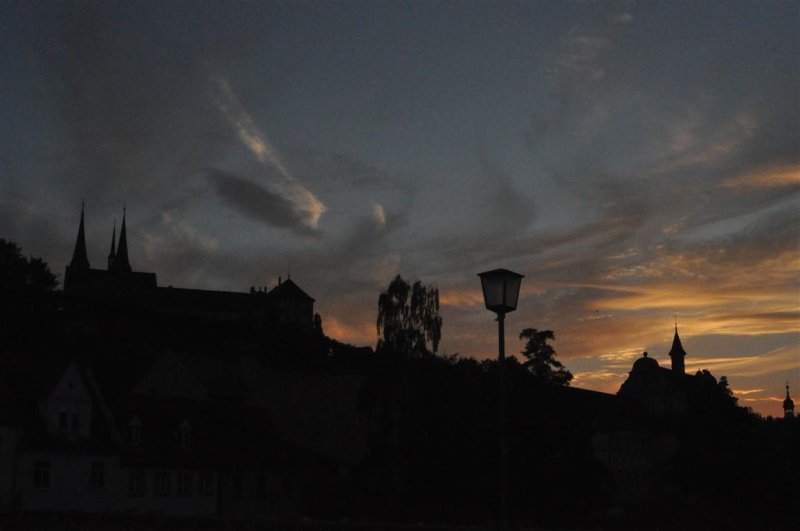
(80,260)
(121,261)
(112,255)
(677,353)
(788,404)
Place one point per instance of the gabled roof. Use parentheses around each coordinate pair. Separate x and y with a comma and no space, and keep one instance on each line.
(289,291)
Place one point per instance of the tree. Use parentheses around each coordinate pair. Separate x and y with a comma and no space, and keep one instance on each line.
(408,318)
(540,358)
(20,275)
(318,325)
(726,391)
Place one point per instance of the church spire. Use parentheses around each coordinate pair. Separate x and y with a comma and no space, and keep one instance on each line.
(112,254)
(121,261)
(677,353)
(788,404)
(80,260)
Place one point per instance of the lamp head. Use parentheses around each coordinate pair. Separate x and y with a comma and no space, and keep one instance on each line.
(500,290)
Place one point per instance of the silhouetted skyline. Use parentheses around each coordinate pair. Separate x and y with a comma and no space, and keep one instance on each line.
(634,161)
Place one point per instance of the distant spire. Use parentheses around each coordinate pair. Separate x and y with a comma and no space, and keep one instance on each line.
(80,260)
(677,353)
(112,254)
(788,404)
(121,262)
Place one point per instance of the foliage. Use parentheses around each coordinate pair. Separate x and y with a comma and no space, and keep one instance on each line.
(725,391)
(20,275)
(408,318)
(318,325)
(540,358)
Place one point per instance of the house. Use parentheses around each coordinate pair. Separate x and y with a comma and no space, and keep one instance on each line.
(57,453)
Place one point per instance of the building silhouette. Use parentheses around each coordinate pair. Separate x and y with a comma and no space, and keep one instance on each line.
(788,405)
(131,398)
(286,303)
(662,390)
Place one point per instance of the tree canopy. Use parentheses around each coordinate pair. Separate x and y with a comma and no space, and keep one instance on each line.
(408,318)
(20,275)
(540,358)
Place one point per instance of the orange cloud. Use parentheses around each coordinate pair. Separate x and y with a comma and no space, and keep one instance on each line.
(771,178)
(463,298)
(359,334)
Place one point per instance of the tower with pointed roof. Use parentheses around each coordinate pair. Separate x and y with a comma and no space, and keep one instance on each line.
(677,354)
(78,269)
(112,255)
(80,260)
(121,262)
(788,405)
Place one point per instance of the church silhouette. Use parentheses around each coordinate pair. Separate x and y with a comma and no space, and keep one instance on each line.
(286,303)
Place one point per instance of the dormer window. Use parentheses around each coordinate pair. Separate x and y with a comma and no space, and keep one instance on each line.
(184,434)
(135,432)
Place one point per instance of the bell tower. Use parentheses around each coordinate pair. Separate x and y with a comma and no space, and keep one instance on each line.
(788,405)
(677,354)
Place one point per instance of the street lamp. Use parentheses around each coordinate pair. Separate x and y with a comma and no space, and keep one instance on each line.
(500,294)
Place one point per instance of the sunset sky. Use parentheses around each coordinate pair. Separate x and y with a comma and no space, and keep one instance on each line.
(634,160)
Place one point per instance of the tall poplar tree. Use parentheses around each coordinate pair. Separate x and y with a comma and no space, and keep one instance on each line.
(408,319)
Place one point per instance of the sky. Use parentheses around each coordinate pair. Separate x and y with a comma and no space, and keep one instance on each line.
(638,162)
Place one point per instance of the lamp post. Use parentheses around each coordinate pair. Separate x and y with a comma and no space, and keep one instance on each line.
(500,294)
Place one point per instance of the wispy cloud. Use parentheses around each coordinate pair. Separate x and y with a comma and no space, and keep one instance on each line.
(259,203)
(781,359)
(770,178)
(379,216)
(259,145)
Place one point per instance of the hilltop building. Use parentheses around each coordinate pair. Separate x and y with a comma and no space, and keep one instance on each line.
(286,304)
(661,390)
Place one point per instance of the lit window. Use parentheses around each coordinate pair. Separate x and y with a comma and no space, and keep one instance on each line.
(41,474)
(97,475)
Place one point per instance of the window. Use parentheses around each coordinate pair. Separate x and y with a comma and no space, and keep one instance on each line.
(261,485)
(206,484)
(161,486)
(136,483)
(97,475)
(238,485)
(41,474)
(62,421)
(184,483)
(184,434)
(135,431)
(76,422)
(135,435)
